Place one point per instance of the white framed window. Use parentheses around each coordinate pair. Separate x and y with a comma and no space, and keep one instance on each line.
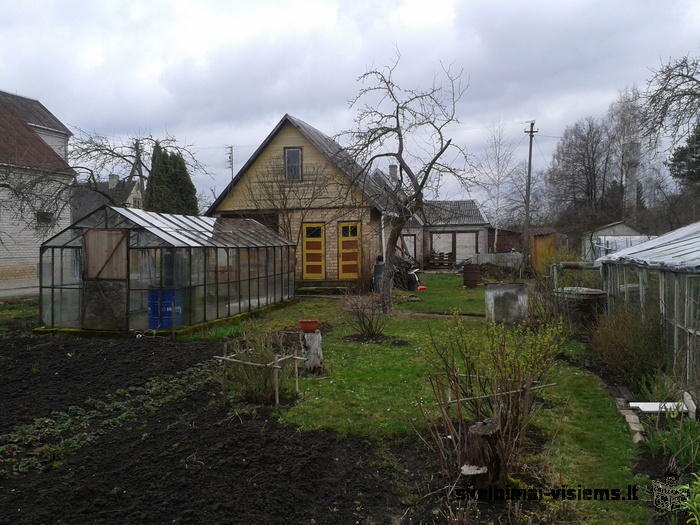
(293,164)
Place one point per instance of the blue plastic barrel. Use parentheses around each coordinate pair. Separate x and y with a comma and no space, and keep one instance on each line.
(164,308)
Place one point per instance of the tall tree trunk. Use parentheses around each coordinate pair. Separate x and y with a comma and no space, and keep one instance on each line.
(388,278)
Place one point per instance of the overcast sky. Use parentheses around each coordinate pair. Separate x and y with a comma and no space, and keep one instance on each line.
(220,73)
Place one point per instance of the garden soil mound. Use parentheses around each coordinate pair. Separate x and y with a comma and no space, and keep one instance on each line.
(51,373)
(194,462)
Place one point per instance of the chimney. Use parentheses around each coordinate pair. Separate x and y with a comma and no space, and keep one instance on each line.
(394,173)
(113,181)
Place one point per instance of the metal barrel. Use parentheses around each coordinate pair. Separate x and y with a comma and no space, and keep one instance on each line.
(472,275)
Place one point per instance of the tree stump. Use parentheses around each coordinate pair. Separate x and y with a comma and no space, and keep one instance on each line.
(483,452)
(312,350)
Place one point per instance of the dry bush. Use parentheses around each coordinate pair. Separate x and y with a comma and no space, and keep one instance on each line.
(629,346)
(367,314)
(545,306)
(568,277)
(251,383)
(496,373)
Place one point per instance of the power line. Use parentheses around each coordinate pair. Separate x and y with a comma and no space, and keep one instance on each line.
(540,150)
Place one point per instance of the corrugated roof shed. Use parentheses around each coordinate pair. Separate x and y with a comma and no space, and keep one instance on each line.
(678,250)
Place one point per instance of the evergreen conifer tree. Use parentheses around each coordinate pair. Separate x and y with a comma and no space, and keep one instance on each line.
(170,188)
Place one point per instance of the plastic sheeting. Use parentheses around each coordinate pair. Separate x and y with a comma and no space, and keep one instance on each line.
(678,250)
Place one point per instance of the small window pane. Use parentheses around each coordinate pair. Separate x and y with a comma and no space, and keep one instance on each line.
(313,232)
(292,163)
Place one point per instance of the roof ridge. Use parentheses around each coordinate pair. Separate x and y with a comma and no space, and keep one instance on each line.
(19,96)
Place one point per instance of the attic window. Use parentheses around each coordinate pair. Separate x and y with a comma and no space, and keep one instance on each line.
(292,163)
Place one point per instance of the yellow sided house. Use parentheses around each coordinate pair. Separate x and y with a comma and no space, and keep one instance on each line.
(302,184)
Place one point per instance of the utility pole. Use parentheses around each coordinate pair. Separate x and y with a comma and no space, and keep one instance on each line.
(528,183)
(230,160)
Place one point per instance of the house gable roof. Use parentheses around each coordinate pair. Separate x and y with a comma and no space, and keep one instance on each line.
(33,112)
(328,147)
(452,213)
(21,146)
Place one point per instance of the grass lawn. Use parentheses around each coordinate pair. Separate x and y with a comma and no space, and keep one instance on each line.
(444,295)
(372,390)
(589,445)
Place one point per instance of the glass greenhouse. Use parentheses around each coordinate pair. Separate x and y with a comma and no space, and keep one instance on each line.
(129,269)
(662,276)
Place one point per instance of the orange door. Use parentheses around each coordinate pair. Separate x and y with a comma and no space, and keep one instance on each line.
(349,235)
(314,250)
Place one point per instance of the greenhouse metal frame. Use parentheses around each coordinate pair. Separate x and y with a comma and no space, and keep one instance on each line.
(662,276)
(128,269)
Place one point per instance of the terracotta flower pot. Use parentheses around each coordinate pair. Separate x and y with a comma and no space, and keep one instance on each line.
(308,325)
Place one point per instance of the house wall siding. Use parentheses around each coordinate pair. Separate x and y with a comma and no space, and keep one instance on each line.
(323,185)
(19,249)
(370,246)
(57,141)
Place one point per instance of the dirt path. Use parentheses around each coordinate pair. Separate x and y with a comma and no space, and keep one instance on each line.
(428,314)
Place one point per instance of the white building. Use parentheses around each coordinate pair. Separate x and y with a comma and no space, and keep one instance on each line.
(33,163)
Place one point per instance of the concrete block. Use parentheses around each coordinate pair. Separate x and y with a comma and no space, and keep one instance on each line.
(636,427)
(637,437)
(633,419)
(690,403)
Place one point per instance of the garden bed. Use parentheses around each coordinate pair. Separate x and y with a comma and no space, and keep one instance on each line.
(44,374)
(196,462)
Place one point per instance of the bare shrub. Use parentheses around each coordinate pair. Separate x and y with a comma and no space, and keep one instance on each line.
(487,375)
(367,314)
(252,383)
(628,345)
(545,306)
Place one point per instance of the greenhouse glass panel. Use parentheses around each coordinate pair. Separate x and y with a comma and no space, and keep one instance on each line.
(128,269)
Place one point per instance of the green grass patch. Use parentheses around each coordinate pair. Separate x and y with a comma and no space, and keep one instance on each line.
(18,315)
(373,389)
(445,294)
(589,446)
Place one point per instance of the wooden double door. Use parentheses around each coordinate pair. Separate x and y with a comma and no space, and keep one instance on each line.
(348,250)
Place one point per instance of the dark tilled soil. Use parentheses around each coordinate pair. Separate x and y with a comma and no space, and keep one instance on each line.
(193,463)
(42,374)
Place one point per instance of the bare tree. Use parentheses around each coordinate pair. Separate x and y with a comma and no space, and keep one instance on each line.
(94,157)
(409,127)
(582,182)
(46,191)
(494,172)
(672,100)
(514,198)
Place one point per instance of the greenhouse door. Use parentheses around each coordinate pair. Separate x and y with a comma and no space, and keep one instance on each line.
(105,280)
(314,251)
(349,250)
